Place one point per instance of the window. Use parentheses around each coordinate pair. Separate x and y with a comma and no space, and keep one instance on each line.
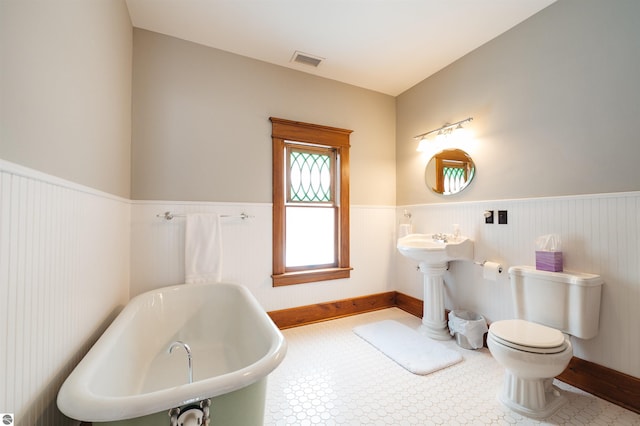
(310,202)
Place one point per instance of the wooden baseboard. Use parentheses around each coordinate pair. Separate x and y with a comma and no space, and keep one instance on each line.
(409,304)
(303,315)
(610,385)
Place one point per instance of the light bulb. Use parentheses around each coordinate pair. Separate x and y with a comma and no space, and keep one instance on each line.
(460,134)
(422,145)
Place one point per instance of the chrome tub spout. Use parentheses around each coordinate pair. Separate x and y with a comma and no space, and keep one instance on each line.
(181,344)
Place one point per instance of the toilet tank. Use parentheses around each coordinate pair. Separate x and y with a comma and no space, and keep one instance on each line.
(567,301)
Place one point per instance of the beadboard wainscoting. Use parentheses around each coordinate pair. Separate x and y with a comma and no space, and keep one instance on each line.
(64,275)
(600,234)
(157,252)
(71,257)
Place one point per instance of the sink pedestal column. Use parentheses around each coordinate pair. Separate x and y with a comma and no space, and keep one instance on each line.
(434,322)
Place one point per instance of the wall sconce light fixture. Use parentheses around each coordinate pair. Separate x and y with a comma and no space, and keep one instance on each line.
(442,133)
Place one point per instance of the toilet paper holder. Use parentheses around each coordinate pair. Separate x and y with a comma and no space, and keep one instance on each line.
(483,262)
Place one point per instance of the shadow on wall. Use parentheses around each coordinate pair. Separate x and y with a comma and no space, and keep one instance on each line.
(47,398)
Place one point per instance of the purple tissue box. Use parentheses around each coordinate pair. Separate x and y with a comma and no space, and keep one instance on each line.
(549,261)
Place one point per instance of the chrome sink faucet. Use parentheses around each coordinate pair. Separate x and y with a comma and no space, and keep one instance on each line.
(442,237)
(181,344)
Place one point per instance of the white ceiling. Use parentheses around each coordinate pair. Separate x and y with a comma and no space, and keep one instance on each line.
(383,45)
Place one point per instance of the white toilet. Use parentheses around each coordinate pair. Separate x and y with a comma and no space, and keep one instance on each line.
(533,348)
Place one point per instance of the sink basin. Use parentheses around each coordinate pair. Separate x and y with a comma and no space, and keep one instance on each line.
(424,248)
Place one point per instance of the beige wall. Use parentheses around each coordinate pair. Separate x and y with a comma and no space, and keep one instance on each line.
(555,107)
(65,89)
(201,127)
(554,102)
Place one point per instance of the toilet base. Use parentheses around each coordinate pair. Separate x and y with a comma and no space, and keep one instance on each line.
(536,398)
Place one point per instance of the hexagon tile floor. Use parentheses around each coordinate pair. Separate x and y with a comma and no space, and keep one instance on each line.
(330,376)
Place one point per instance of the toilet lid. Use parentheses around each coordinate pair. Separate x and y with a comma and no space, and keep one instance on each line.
(527,334)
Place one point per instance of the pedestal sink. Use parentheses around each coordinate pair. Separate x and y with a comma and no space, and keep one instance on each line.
(433,251)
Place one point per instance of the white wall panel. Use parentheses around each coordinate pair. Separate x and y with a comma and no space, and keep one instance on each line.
(65,253)
(64,271)
(600,234)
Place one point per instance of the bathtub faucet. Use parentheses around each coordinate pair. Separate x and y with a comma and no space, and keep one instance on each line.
(181,344)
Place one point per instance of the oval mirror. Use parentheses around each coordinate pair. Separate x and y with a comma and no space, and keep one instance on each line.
(449,171)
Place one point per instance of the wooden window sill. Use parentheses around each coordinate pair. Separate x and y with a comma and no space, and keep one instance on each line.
(300,277)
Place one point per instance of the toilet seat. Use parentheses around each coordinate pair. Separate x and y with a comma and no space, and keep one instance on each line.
(527,336)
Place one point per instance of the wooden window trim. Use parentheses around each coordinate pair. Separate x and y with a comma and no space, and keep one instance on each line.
(287,130)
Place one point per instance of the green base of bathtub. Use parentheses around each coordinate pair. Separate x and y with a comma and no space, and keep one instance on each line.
(244,407)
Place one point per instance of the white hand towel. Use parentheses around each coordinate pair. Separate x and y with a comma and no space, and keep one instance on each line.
(203,249)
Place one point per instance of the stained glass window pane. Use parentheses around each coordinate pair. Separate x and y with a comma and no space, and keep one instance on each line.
(310,177)
(454,179)
(310,236)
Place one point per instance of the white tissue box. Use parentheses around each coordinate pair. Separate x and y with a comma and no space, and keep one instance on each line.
(549,261)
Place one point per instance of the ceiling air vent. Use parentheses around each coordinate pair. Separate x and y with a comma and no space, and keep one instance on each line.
(306,59)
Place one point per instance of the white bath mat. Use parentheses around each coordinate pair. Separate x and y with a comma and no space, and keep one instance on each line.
(413,351)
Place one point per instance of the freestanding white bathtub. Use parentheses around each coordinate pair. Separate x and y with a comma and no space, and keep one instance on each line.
(130,374)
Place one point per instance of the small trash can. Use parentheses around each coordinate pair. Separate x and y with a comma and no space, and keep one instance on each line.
(468,328)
